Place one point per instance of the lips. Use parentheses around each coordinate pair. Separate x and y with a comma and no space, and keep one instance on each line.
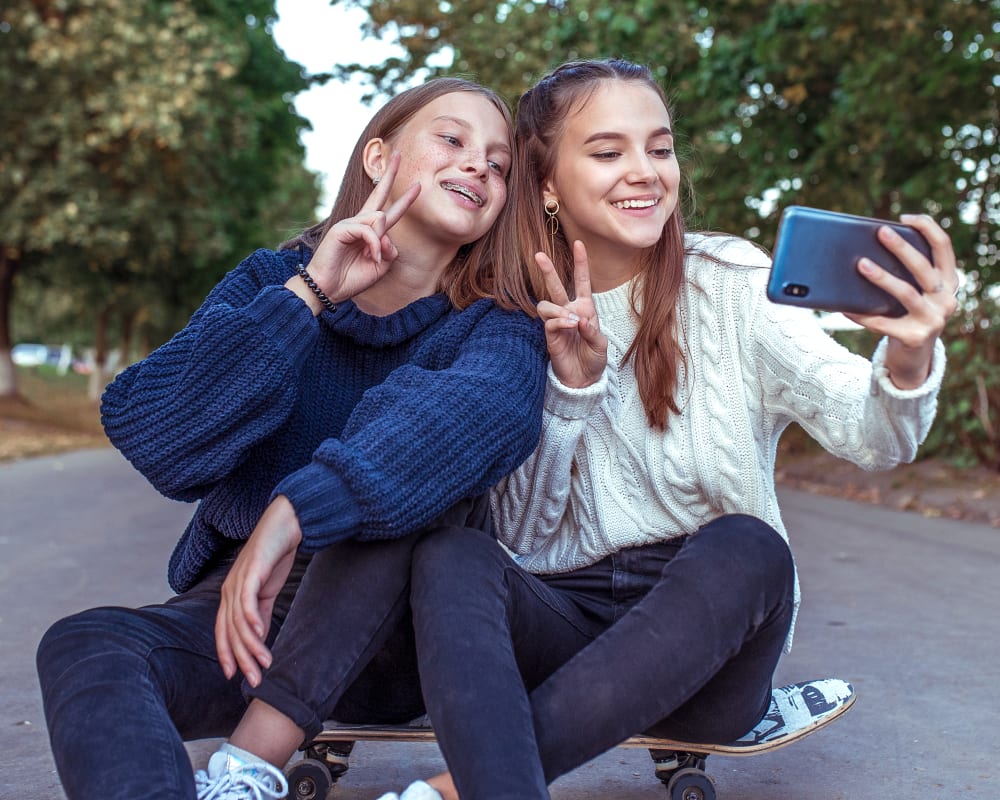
(465,190)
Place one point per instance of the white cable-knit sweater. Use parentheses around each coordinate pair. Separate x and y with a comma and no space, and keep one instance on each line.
(601,479)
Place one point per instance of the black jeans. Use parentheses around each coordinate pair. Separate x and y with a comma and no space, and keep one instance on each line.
(526,677)
(123,688)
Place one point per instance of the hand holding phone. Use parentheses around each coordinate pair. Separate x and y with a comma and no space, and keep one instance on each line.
(816,256)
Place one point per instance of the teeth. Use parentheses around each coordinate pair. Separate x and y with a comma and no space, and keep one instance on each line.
(464,191)
(635,203)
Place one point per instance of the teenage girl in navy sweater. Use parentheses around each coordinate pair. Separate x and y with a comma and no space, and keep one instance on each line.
(356,386)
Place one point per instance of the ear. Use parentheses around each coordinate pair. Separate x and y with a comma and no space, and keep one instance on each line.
(548,192)
(375,156)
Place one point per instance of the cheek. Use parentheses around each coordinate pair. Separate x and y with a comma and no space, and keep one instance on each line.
(500,192)
(672,176)
(419,160)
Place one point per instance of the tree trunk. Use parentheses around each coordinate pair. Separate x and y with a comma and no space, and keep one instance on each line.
(125,343)
(9,262)
(98,376)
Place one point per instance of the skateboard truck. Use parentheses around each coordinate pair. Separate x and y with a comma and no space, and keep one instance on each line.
(683,774)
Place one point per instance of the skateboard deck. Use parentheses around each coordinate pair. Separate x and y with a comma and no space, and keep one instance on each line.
(796,711)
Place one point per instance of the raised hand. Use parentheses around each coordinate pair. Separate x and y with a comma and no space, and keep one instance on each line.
(357,251)
(250,589)
(912,336)
(577,348)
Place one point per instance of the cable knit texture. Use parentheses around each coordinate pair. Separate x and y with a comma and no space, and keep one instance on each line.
(371,426)
(602,479)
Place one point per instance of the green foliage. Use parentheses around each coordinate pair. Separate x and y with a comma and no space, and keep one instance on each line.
(966,431)
(839,104)
(144,148)
(825,104)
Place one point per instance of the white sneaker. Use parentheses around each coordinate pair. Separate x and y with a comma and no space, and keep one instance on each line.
(800,708)
(232,778)
(418,790)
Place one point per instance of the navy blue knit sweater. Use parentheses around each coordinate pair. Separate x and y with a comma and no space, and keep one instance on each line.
(371,426)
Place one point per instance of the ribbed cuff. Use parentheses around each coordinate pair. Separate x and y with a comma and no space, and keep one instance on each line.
(324,505)
(882,382)
(568,403)
(284,318)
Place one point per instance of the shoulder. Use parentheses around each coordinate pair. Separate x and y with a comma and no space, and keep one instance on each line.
(725,250)
(486,315)
(261,268)
(720,263)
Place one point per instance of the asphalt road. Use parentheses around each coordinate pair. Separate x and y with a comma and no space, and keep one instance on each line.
(906,608)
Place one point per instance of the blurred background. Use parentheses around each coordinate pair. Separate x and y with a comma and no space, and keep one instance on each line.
(146,146)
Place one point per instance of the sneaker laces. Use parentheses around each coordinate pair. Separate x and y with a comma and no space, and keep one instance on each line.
(240,781)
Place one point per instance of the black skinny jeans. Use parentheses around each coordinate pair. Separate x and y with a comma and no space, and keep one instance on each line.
(123,688)
(526,677)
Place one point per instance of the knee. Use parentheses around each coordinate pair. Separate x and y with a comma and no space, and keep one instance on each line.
(758,548)
(83,642)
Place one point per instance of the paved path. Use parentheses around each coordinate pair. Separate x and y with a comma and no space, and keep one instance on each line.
(905,607)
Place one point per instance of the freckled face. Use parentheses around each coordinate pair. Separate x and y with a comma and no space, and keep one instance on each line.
(616,177)
(458,148)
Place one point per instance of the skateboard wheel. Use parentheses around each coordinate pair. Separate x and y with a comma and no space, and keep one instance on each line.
(691,784)
(309,779)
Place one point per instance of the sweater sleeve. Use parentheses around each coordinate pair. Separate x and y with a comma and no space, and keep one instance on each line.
(425,438)
(187,414)
(845,402)
(529,504)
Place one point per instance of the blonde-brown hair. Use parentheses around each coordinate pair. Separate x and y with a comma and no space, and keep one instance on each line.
(475,272)
(541,117)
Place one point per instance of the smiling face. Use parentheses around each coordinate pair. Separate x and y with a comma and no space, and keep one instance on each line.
(616,178)
(458,148)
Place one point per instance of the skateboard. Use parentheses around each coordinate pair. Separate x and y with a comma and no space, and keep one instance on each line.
(796,710)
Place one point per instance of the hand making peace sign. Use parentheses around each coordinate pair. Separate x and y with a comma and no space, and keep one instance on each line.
(357,251)
(577,348)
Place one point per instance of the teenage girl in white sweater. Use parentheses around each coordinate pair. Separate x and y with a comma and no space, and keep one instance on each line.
(651,585)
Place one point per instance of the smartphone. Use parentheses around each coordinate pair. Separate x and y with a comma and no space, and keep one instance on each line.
(815,262)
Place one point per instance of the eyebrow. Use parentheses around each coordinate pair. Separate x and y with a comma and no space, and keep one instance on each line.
(613,135)
(462,123)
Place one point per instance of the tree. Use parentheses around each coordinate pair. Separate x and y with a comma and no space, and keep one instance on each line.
(837,104)
(143,145)
(782,102)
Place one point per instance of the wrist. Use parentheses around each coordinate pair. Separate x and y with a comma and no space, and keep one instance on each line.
(298,287)
(908,368)
(314,288)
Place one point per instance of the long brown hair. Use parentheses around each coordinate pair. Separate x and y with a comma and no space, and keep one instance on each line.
(541,118)
(475,272)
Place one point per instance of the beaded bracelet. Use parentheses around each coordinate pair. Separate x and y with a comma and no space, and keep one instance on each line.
(328,304)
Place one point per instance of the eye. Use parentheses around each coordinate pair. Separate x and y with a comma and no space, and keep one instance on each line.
(606,155)
(498,168)
(452,140)
(662,152)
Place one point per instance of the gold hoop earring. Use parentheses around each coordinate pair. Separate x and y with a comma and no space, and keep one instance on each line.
(552,221)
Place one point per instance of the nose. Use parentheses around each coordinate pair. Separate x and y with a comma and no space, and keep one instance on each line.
(474,161)
(641,170)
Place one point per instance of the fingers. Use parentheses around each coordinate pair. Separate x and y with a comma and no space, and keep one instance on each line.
(557,292)
(239,628)
(942,251)
(939,276)
(383,191)
(380,194)
(396,211)
(581,271)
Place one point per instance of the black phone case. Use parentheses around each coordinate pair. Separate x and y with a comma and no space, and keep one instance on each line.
(815,262)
